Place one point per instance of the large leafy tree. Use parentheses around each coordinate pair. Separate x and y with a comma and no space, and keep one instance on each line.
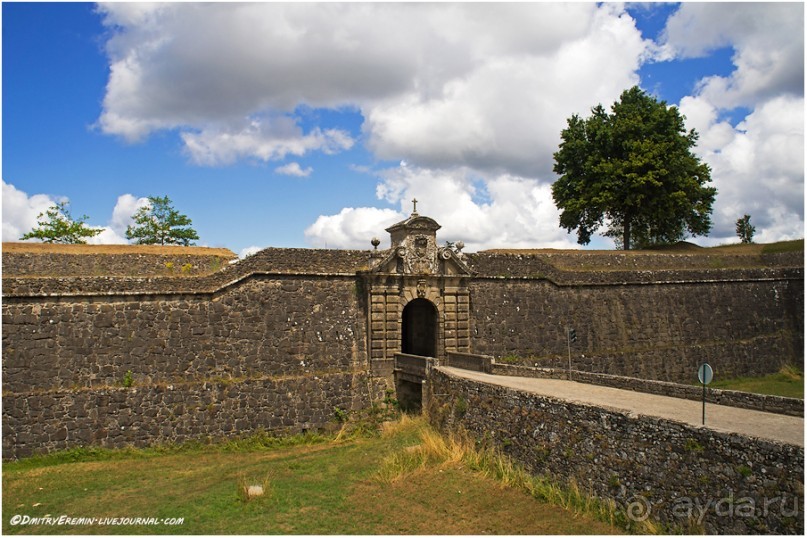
(633,171)
(57,226)
(158,223)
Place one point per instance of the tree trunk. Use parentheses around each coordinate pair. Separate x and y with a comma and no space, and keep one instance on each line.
(626,235)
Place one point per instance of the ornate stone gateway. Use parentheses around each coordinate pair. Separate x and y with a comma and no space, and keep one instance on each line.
(418,296)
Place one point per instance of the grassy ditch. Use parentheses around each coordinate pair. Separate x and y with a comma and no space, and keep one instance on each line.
(405,480)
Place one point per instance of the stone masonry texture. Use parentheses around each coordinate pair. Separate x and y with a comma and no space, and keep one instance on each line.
(41,422)
(669,471)
(299,319)
(658,331)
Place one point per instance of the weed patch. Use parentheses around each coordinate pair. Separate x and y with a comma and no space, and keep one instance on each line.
(128,379)
(249,488)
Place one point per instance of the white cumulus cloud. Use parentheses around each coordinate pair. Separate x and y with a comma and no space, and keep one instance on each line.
(757,167)
(263,140)
(768,43)
(249,251)
(472,96)
(20,212)
(436,83)
(351,227)
(294,169)
(484,211)
(125,207)
(506,112)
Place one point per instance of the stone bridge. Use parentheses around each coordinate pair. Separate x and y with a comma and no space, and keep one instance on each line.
(644,449)
(411,374)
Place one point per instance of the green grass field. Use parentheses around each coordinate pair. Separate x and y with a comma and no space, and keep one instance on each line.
(396,482)
(788,382)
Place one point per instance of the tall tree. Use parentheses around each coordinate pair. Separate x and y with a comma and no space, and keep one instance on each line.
(158,223)
(57,226)
(633,171)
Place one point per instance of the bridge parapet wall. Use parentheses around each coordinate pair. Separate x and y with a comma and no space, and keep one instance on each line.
(470,361)
(670,471)
(414,366)
(733,398)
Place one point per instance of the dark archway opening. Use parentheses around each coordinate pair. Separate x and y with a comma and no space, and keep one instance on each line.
(419,328)
(409,395)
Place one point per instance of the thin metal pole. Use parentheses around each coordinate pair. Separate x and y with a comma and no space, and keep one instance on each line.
(569,345)
(704,397)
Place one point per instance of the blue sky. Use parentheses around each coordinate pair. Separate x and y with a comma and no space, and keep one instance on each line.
(311,125)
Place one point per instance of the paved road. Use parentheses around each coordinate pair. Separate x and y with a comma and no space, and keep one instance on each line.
(718,417)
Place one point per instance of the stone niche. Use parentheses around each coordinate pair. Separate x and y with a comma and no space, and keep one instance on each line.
(418,296)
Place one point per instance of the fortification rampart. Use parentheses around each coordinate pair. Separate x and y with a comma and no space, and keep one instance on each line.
(43,260)
(673,472)
(524,262)
(265,326)
(115,417)
(63,353)
(300,316)
(654,330)
(149,278)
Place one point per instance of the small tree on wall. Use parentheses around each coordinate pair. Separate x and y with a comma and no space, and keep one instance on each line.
(158,223)
(744,229)
(57,226)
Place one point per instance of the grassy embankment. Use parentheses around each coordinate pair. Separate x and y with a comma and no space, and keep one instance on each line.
(788,382)
(407,480)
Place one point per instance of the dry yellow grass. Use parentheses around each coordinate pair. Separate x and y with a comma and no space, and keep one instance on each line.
(443,453)
(169,250)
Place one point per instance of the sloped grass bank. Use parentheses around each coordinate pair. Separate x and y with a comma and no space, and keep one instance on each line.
(787,382)
(312,485)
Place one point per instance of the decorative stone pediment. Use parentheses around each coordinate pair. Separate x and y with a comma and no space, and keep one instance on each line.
(414,251)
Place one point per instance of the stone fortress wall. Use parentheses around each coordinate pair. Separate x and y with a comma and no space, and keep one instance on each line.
(648,315)
(660,331)
(230,354)
(281,339)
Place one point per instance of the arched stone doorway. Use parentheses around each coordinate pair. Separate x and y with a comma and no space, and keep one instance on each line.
(417,296)
(419,328)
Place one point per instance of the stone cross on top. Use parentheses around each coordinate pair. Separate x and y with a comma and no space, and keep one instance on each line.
(414,206)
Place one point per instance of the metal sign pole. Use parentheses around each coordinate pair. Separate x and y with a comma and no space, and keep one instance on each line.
(569,346)
(571,336)
(705,375)
(704,404)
